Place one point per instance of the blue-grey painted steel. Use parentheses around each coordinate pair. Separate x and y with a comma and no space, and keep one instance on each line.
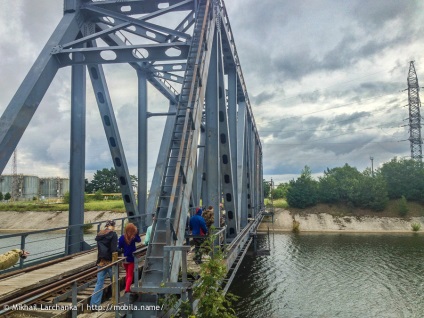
(252,169)
(142,145)
(213,183)
(77,162)
(175,200)
(190,149)
(241,164)
(232,123)
(162,86)
(158,175)
(225,158)
(113,137)
(200,166)
(113,55)
(248,149)
(150,8)
(24,103)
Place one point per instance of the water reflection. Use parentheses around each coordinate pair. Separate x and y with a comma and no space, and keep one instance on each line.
(41,245)
(333,275)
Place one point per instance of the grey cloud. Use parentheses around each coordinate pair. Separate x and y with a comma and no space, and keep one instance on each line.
(262,97)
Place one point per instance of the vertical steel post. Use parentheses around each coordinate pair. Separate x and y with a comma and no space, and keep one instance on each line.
(241,164)
(213,182)
(232,123)
(77,162)
(142,146)
(21,260)
(200,166)
(225,155)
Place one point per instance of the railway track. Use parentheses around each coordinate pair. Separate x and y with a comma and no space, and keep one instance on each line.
(56,299)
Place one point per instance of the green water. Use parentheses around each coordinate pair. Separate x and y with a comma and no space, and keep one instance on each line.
(333,275)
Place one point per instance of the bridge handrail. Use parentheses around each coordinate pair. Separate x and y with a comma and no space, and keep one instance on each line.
(61,228)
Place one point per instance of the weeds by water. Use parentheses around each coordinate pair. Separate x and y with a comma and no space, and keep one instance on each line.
(416,227)
(41,206)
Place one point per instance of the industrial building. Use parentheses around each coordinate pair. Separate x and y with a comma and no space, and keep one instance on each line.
(24,187)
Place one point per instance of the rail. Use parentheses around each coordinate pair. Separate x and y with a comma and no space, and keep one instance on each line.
(68,288)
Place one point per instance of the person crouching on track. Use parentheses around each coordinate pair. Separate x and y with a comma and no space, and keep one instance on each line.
(126,243)
(198,228)
(107,243)
(10,258)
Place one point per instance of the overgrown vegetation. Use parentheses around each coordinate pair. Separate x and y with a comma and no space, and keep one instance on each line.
(21,206)
(106,181)
(416,227)
(212,303)
(397,179)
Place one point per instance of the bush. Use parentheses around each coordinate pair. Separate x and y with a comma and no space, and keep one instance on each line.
(98,195)
(296,226)
(66,198)
(1,196)
(303,192)
(416,227)
(7,196)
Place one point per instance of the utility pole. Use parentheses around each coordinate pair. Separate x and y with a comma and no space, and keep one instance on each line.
(414,114)
(372,166)
(15,187)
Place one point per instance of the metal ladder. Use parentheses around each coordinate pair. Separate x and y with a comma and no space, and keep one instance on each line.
(176,184)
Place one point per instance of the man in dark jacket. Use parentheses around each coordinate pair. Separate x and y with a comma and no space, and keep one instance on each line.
(107,243)
(198,227)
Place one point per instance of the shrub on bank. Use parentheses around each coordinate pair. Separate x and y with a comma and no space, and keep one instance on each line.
(416,227)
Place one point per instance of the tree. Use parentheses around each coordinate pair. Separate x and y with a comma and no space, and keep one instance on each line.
(304,191)
(280,191)
(267,188)
(107,181)
(404,177)
(88,186)
(338,183)
(369,192)
(7,196)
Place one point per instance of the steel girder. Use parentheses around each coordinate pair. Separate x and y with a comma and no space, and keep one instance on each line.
(210,148)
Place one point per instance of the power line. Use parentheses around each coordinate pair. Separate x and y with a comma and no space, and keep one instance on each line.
(332,129)
(333,143)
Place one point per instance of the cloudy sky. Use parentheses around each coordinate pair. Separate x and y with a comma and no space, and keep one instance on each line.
(326,80)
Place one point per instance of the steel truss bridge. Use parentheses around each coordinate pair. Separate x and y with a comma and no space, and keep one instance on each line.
(210,150)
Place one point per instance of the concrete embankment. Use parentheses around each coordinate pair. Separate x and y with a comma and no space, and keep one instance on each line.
(31,221)
(283,221)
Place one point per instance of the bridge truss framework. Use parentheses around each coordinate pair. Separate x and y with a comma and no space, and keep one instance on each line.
(210,150)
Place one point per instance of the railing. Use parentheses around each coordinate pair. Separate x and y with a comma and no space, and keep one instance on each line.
(56,243)
(73,287)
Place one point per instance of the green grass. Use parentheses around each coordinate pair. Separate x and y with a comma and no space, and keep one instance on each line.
(278,203)
(106,205)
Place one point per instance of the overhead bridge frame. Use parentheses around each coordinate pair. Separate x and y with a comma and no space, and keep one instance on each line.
(210,150)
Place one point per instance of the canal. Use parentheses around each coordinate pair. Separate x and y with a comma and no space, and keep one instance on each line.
(333,275)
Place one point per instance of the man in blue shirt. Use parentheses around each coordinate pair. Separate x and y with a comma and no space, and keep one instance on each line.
(198,228)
